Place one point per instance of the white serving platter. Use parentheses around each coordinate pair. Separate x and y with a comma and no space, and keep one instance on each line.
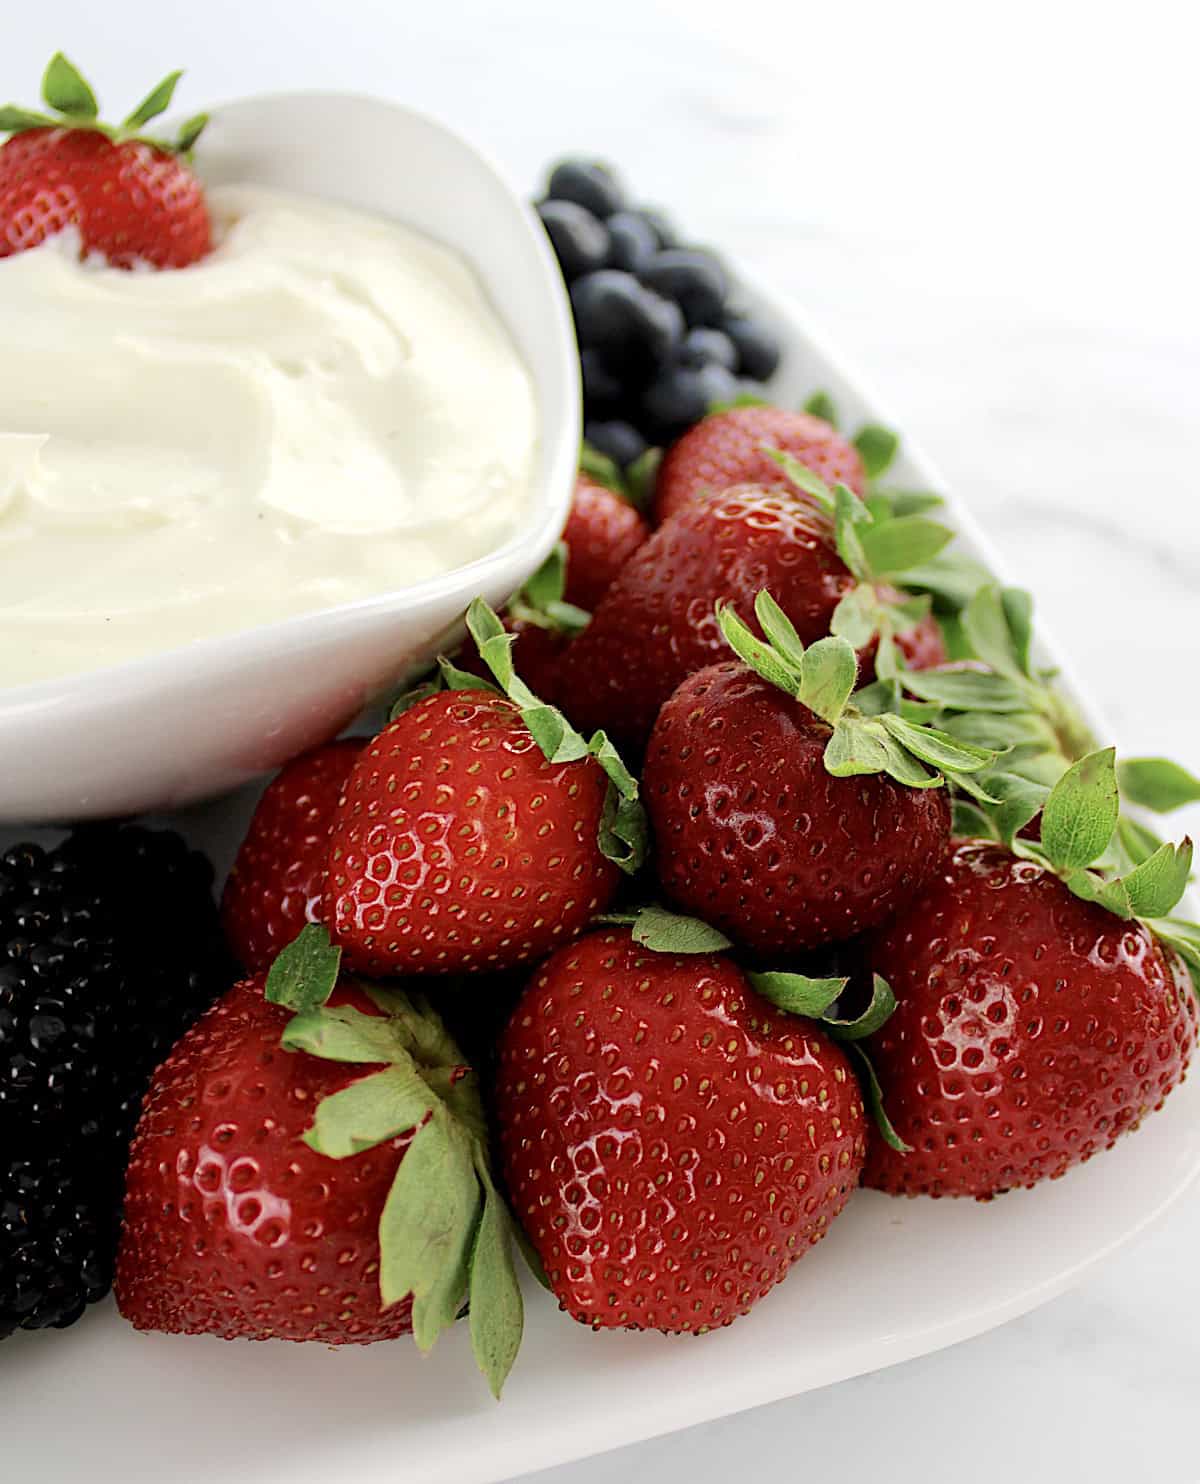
(894,1280)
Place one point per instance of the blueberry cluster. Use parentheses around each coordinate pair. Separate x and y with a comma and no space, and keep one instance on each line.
(661,337)
(109,948)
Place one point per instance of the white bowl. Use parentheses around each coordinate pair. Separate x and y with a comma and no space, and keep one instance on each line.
(895,1279)
(193,722)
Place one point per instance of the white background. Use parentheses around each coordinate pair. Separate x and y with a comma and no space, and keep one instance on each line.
(993,211)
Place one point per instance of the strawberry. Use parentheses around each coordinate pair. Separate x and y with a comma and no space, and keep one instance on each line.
(671,1142)
(1039,1019)
(132,199)
(270,1145)
(278,878)
(602,533)
(477,831)
(727,449)
(657,623)
(780,814)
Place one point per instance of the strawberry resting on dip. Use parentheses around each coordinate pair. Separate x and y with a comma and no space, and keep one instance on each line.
(320,405)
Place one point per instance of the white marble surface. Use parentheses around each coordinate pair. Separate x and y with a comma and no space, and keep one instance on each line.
(992,212)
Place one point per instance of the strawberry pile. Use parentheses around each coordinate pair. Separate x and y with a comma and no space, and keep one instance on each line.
(867,912)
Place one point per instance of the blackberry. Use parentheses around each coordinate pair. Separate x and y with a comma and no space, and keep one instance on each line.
(110,947)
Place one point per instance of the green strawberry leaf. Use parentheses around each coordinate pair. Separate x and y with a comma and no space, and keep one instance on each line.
(1136,842)
(15,120)
(828,670)
(779,630)
(910,502)
(370,1111)
(601,468)
(497,1310)
(549,582)
(65,90)
(420,693)
(951,577)
(641,477)
(157,101)
(939,749)
(857,616)
(304,973)
(663,931)
(967,690)
(1018,800)
(821,405)
(342,1033)
(453,679)
(554,734)
(731,404)
(1018,613)
(864,745)
(1080,814)
(849,514)
(428,1226)
(189,132)
(877,447)
(803,478)
(797,994)
(1157,783)
(1003,730)
(883,1002)
(873,1097)
(970,822)
(1184,938)
(761,658)
(1155,887)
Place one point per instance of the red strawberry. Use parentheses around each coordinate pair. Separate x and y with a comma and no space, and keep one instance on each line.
(267,1148)
(602,533)
(671,1142)
(657,623)
(755,835)
(233,1225)
(132,199)
(1033,1028)
(726,448)
(278,878)
(458,845)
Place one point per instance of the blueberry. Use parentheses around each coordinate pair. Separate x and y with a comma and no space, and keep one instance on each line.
(634,241)
(579,241)
(601,388)
(758,348)
(589,183)
(681,395)
(693,278)
(621,441)
(702,345)
(661,225)
(630,325)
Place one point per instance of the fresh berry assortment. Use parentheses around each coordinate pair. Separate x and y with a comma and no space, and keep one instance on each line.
(748,856)
(662,337)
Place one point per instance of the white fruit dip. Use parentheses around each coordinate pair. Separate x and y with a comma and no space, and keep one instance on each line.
(325,408)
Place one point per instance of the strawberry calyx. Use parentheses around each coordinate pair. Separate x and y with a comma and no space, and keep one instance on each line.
(623,832)
(1098,854)
(634,484)
(541,601)
(662,931)
(445,1233)
(822,678)
(72,104)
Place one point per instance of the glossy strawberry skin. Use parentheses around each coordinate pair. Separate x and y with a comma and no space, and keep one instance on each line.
(278,879)
(657,623)
(131,202)
(753,835)
(671,1143)
(602,533)
(727,449)
(456,846)
(1033,1029)
(233,1226)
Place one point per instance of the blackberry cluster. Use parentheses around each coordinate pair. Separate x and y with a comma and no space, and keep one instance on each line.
(110,947)
(662,338)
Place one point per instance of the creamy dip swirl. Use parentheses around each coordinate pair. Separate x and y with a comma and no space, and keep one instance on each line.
(325,408)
